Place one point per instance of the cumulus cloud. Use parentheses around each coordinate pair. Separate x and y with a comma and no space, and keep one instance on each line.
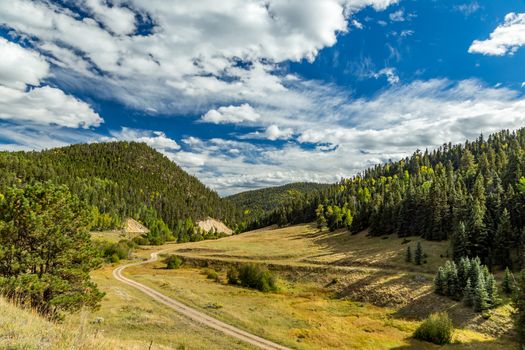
(23,99)
(506,39)
(187,56)
(231,114)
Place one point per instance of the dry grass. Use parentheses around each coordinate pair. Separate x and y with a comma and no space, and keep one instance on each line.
(337,290)
(134,317)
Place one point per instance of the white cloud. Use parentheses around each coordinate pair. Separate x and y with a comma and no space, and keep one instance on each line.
(189,60)
(273,132)
(46,105)
(231,114)
(468,8)
(506,39)
(20,69)
(397,16)
(357,24)
(154,139)
(389,73)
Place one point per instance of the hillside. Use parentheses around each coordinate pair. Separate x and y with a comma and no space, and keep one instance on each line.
(471,193)
(257,204)
(121,179)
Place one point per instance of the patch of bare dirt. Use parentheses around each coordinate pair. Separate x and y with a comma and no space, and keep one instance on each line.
(210,223)
(133,226)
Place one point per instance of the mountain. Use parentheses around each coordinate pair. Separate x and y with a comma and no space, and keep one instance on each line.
(471,193)
(257,204)
(122,179)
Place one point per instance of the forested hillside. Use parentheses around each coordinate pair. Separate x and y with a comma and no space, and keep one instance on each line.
(472,193)
(257,204)
(119,180)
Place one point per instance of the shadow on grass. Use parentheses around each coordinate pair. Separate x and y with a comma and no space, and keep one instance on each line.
(498,344)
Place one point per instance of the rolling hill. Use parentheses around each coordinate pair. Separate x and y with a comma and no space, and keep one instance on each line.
(120,180)
(257,204)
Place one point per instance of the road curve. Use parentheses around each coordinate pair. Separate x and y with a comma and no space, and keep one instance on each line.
(193,313)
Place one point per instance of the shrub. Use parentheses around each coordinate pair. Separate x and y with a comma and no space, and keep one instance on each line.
(173,262)
(211,274)
(253,276)
(233,276)
(437,329)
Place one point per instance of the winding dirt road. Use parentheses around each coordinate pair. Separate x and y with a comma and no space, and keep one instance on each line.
(193,313)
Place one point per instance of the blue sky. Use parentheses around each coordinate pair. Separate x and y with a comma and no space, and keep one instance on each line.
(248,94)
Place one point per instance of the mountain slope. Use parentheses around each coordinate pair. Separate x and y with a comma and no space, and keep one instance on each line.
(472,193)
(258,203)
(120,179)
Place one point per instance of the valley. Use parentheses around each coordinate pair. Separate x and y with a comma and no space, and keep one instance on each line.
(336,291)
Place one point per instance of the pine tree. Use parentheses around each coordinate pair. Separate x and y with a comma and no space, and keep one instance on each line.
(481,298)
(508,283)
(504,234)
(463,272)
(519,304)
(460,242)
(321,220)
(418,256)
(468,294)
(440,281)
(408,255)
(492,290)
(452,279)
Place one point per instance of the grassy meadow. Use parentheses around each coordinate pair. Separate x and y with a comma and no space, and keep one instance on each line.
(336,291)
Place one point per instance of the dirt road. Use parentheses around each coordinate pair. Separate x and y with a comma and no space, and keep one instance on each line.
(193,313)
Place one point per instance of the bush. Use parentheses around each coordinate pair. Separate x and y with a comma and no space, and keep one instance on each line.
(253,276)
(211,274)
(233,276)
(173,262)
(114,252)
(437,329)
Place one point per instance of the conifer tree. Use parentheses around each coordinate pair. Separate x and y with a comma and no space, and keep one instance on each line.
(418,256)
(492,290)
(440,281)
(519,304)
(481,298)
(508,283)
(460,242)
(408,255)
(468,294)
(321,220)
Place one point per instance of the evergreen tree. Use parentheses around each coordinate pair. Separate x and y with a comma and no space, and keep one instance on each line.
(492,290)
(321,220)
(481,297)
(46,249)
(418,256)
(440,281)
(508,282)
(504,233)
(519,304)
(468,293)
(460,242)
(408,255)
